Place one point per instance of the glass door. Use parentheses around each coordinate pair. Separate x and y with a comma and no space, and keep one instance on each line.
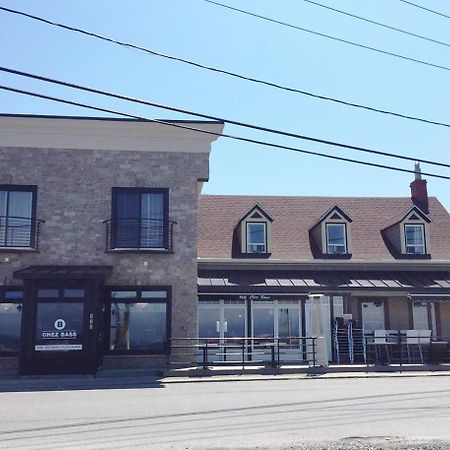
(373,316)
(62,332)
(278,319)
(420,316)
(222,319)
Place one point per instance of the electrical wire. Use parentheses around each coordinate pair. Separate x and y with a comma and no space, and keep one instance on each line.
(328,36)
(229,121)
(426,9)
(227,136)
(383,25)
(228,73)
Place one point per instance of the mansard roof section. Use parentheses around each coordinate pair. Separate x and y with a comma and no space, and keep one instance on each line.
(294,216)
(100,133)
(256,212)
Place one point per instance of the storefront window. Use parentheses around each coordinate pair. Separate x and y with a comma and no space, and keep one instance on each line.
(138,326)
(263,322)
(138,321)
(288,323)
(10,324)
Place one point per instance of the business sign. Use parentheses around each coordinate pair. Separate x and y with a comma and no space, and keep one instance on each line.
(255,297)
(59,328)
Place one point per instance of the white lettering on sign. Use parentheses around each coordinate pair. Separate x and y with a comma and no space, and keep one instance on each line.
(59,334)
(60,324)
(57,347)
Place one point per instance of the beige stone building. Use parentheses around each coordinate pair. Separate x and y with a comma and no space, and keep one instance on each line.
(98,239)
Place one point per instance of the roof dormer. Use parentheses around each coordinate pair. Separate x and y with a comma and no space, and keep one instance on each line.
(254,231)
(331,234)
(408,236)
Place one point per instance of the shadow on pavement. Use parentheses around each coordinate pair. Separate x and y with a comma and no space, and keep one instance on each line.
(39,384)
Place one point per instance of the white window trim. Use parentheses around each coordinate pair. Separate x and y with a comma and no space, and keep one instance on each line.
(248,244)
(344,225)
(421,246)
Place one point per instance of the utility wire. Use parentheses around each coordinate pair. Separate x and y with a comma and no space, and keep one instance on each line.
(426,9)
(227,136)
(328,36)
(207,116)
(389,27)
(226,72)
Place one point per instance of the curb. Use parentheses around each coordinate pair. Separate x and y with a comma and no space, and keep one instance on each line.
(243,377)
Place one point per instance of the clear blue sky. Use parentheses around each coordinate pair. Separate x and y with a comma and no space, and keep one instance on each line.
(202,32)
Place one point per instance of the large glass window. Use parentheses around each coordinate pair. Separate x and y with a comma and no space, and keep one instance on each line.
(415,239)
(16,216)
(140,218)
(336,238)
(256,237)
(10,326)
(139,321)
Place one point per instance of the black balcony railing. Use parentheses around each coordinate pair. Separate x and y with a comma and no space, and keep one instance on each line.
(153,235)
(19,232)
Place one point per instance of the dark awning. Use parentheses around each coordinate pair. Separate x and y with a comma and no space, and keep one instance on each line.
(314,281)
(63,272)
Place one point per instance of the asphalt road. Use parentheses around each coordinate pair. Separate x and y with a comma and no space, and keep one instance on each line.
(383,413)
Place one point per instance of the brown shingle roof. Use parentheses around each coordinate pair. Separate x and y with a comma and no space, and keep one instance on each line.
(294,216)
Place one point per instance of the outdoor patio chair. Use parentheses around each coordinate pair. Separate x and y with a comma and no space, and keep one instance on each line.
(380,342)
(413,346)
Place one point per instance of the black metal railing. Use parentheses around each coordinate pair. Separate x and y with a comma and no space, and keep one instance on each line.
(244,351)
(19,232)
(402,348)
(139,234)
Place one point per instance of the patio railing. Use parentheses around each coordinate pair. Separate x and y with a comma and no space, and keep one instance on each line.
(406,347)
(207,352)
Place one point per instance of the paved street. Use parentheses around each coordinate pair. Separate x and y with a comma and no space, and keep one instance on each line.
(396,413)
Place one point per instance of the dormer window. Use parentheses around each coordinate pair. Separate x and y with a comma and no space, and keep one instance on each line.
(415,239)
(330,236)
(336,238)
(256,237)
(254,233)
(408,237)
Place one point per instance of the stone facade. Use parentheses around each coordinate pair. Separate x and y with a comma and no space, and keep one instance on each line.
(74,198)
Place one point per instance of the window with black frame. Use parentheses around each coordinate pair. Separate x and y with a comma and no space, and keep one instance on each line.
(139,320)
(17,210)
(10,320)
(139,218)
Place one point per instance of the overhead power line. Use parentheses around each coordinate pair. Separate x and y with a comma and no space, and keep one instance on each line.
(227,136)
(329,36)
(225,120)
(226,72)
(383,25)
(426,9)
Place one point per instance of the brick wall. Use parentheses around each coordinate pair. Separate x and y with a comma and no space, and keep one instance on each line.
(74,197)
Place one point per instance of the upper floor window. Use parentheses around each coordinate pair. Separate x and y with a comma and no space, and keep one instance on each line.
(17,211)
(336,238)
(140,219)
(256,237)
(415,239)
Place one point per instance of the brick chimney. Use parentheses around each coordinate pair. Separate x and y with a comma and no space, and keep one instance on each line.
(419,193)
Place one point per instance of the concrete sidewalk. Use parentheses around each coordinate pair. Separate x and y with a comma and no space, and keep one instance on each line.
(143,381)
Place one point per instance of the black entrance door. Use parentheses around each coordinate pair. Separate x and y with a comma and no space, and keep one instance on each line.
(60,332)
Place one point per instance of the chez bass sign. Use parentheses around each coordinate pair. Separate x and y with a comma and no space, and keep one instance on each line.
(59,339)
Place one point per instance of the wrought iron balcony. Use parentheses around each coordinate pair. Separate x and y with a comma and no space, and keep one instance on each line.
(19,233)
(131,234)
